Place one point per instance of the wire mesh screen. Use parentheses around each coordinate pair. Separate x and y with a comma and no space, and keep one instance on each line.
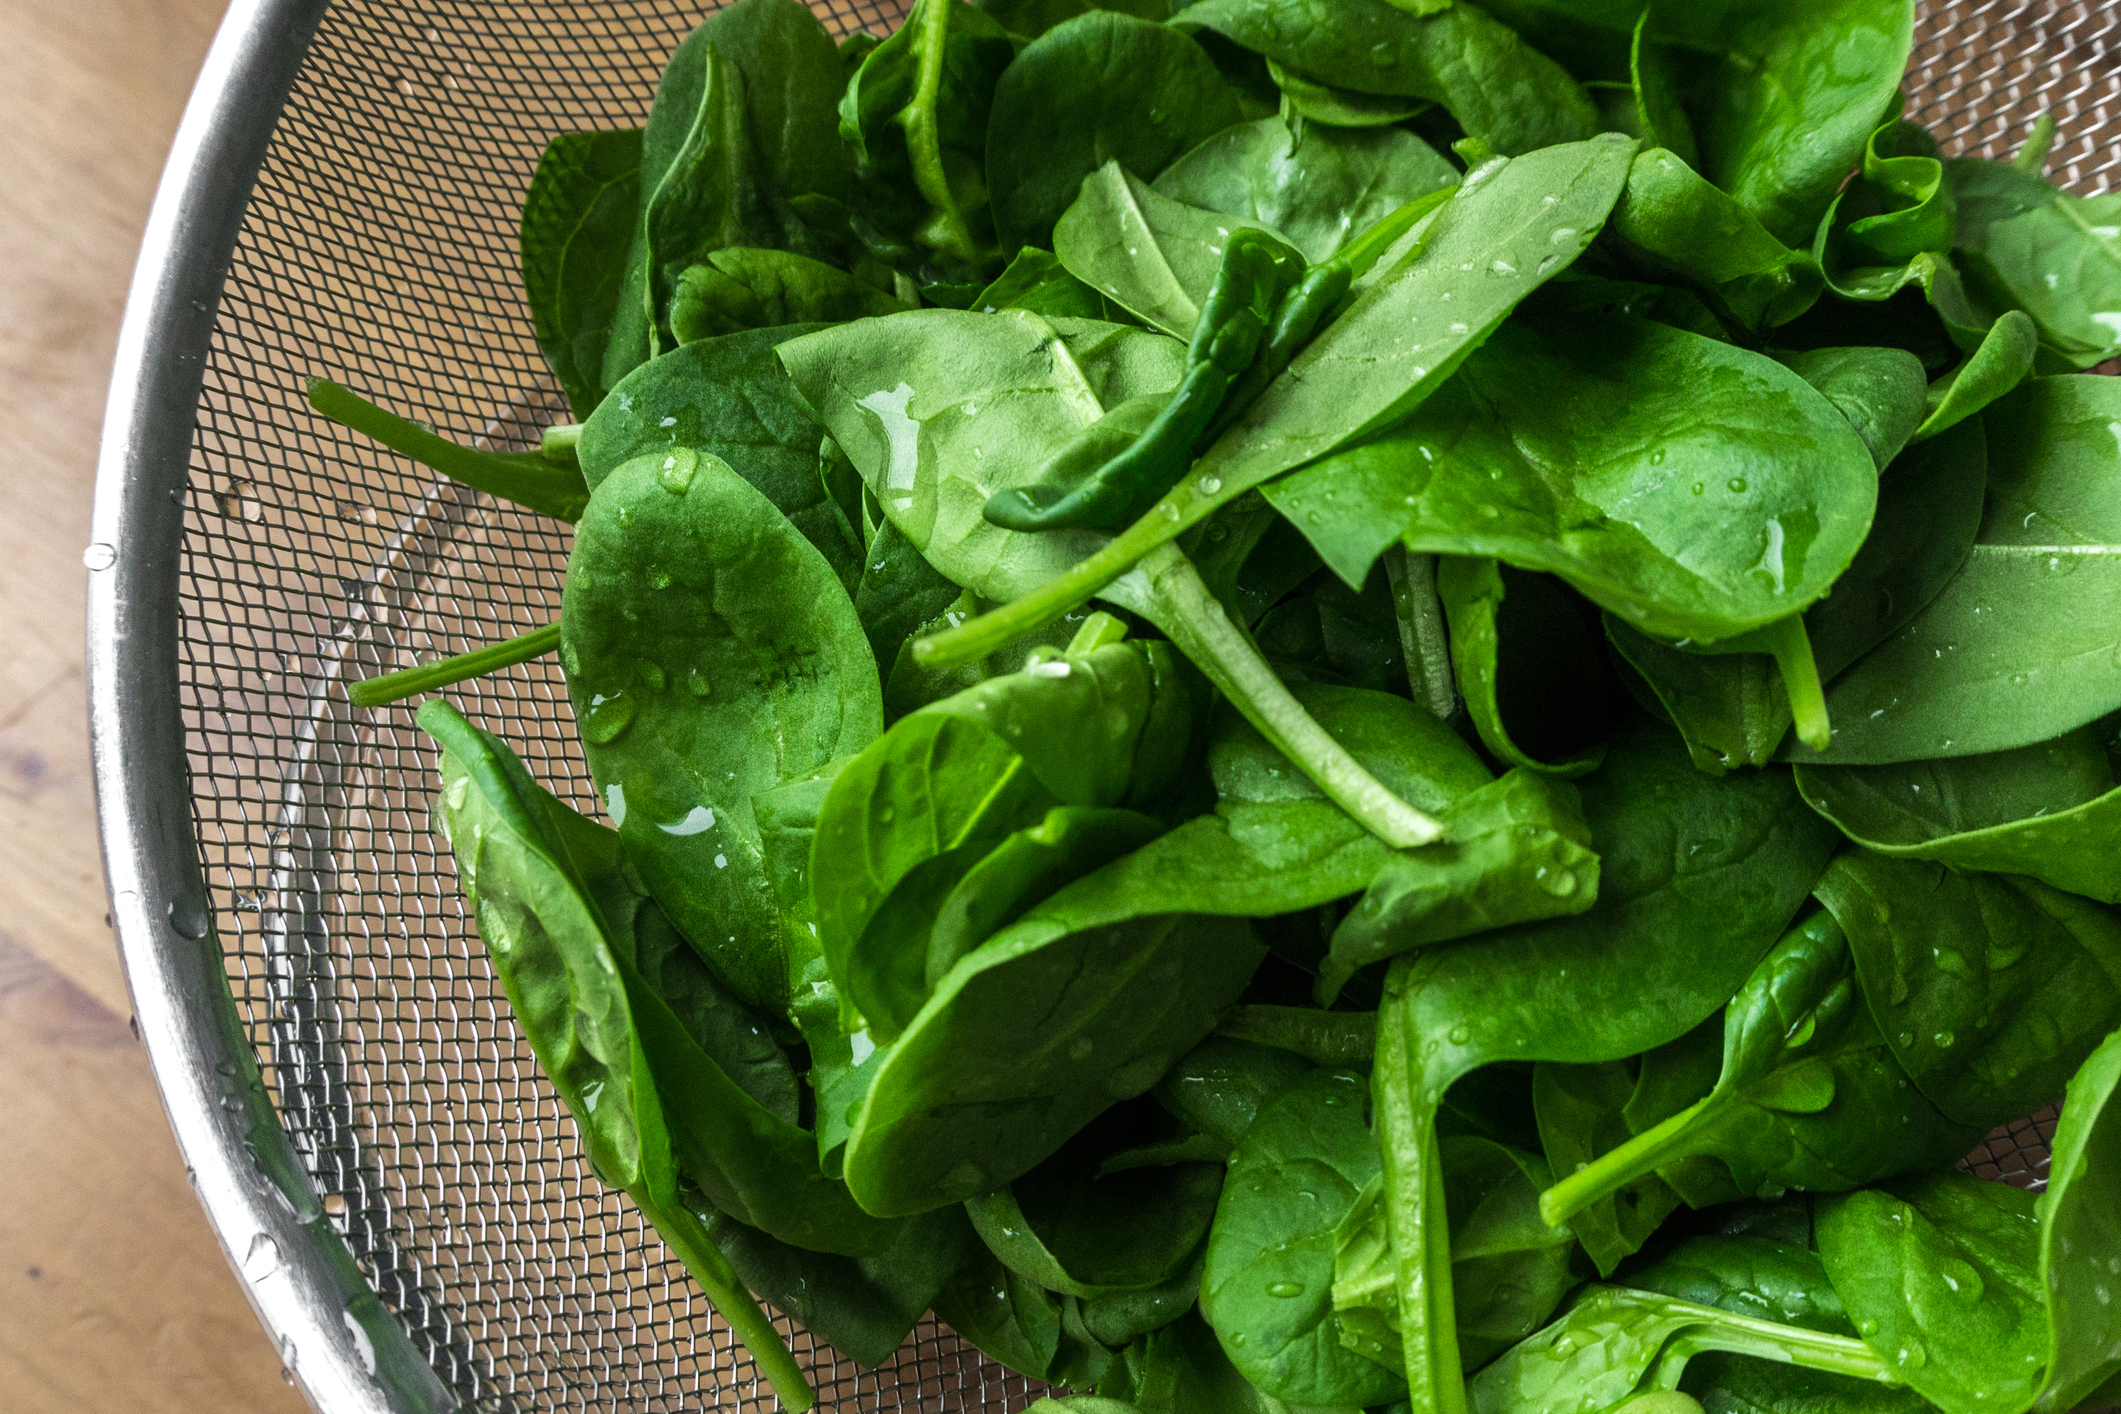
(379,250)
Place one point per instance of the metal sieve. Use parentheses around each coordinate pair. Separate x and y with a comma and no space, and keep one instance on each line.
(401,1192)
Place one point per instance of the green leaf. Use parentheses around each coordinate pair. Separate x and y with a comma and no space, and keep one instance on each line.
(1316,101)
(1100,88)
(1150,253)
(2003,361)
(1881,392)
(740,288)
(1502,92)
(1519,649)
(2053,255)
(1783,97)
(1990,988)
(1317,190)
(1268,1288)
(726,397)
(1581,1121)
(690,603)
(1899,210)
(1675,224)
(1028,19)
(577,228)
(1037,281)
(1219,1086)
(1534,455)
(898,592)
(2052,811)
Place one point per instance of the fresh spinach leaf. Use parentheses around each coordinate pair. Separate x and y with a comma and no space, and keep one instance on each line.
(1028,19)
(2004,359)
(898,592)
(1152,254)
(710,655)
(1582,1120)
(1519,651)
(1990,988)
(1318,189)
(1103,87)
(577,228)
(1316,101)
(1219,1086)
(739,288)
(1674,223)
(2029,246)
(1037,281)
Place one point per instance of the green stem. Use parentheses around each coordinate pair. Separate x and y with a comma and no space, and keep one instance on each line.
(1338,1038)
(1098,631)
(1185,608)
(1616,1168)
(2033,156)
(682,1232)
(551,485)
(1422,639)
(447,672)
(1792,648)
(561,442)
(1734,1334)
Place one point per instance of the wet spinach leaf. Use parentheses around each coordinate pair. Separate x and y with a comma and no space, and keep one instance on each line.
(1528,666)
(577,227)
(1674,223)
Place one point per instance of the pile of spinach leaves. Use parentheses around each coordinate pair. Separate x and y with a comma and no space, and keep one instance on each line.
(1402,704)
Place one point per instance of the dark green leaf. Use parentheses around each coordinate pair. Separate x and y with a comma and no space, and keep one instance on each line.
(577,227)
(1528,666)
(1581,1120)
(1675,223)
(741,288)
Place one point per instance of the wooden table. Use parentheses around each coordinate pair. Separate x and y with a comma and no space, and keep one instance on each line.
(114,1294)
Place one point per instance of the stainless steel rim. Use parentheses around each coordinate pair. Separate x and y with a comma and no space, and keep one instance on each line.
(337,1341)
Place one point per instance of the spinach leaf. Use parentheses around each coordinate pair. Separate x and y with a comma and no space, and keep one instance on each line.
(1492,244)
(1081,1230)
(2004,360)
(916,118)
(1698,876)
(575,998)
(1219,1086)
(1327,632)
(948,783)
(1880,391)
(2027,245)
(1006,1317)
(1268,1288)
(1782,98)
(740,288)
(1582,1120)
(577,228)
(1990,988)
(1574,446)
(864,1306)
(2052,476)
(1035,280)
(1514,851)
(1316,101)
(1893,224)
(1028,19)
(709,656)
(1103,87)
(1519,650)
(1318,189)
(1181,1369)
(1809,1096)
(1033,1035)
(1150,253)
(1674,223)
(1502,91)
(2052,811)
(898,592)
(725,397)
(1732,709)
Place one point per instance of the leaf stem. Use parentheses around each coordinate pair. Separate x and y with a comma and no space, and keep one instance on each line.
(447,672)
(1792,647)
(1734,1334)
(1185,608)
(682,1232)
(1616,1168)
(2032,157)
(539,481)
(1339,1038)
(1422,639)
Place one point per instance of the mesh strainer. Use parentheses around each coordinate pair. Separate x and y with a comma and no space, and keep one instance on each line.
(401,1192)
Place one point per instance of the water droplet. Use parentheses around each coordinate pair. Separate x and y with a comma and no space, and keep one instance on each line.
(1461,1034)
(1907,1040)
(263,1257)
(1500,266)
(608,718)
(1737,485)
(1209,485)
(1562,884)
(99,556)
(1285,1288)
(1700,486)
(678,470)
(459,791)
(650,675)
(697,683)
(2062,564)
(188,916)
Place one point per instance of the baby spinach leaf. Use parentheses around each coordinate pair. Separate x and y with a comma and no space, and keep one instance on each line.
(1698,876)
(1006,1317)
(1731,708)
(1893,224)
(577,228)
(1181,1369)
(576,1001)
(1751,1276)
(1590,36)
(1519,650)
(2052,476)
(916,118)
(1582,1120)
(1028,19)
(1316,101)
(2052,811)
(864,1306)
(1268,1288)
(1782,98)
(1103,87)
(1494,242)
(1881,392)
(1030,1037)
(898,592)
(1036,280)
(1318,189)
(2030,246)
(1219,1086)
(725,397)
(1809,1095)
(948,783)
(1990,988)
(1574,446)
(2079,1218)
(2003,361)
(1513,851)
(1673,222)
(709,656)
(741,288)
(1501,90)
(1082,1231)
(1151,253)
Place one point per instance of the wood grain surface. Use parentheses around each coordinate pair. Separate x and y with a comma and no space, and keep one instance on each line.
(114,1295)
